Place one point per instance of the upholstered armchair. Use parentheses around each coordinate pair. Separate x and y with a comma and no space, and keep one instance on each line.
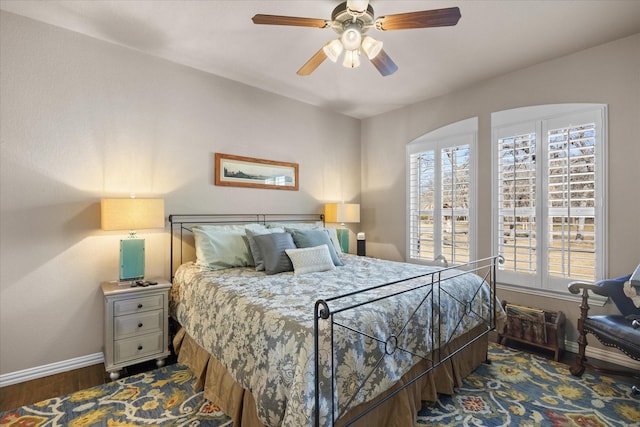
(621,331)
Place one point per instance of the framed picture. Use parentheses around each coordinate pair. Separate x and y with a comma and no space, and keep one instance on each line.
(238,171)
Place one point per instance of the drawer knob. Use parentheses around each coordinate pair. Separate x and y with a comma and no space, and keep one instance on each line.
(139,347)
(140,325)
(139,305)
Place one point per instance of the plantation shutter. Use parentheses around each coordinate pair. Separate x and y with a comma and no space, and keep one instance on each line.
(517,194)
(549,195)
(571,202)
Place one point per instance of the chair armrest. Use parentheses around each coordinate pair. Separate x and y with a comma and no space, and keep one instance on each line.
(576,287)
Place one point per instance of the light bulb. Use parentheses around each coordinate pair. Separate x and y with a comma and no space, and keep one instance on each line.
(351,37)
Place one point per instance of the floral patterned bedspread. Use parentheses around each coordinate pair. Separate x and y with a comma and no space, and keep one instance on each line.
(261,328)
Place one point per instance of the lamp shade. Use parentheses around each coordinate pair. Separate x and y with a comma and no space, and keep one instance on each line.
(342,212)
(131,214)
(371,47)
(333,49)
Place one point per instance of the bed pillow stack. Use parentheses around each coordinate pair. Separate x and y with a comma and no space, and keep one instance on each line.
(302,248)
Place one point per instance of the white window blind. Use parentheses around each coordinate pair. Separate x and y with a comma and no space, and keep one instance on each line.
(549,194)
(571,202)
(517,202)
(441,194)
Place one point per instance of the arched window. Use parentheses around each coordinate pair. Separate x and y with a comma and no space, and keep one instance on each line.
(441,179)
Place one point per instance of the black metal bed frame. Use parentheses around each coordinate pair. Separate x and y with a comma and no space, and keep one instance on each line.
(325,311)
(485,268)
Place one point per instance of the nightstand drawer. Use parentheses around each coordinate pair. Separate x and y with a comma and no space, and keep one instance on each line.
(133,348)
(136,305)
(137,324)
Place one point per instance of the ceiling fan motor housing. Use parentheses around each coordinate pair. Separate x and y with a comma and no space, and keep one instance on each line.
(342,18)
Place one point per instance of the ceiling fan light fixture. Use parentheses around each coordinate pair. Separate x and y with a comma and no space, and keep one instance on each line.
(371,47)
(351,37)
(351,59)
(333,49)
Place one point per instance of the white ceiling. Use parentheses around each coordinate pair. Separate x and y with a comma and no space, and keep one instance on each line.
(217,36)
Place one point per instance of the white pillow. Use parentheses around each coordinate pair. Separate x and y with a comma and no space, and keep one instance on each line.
(333,235)
(296,225)
(310,260)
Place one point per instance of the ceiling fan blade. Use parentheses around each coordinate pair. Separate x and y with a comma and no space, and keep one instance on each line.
(384,64)
(289,20)
(313,63)
(424,19)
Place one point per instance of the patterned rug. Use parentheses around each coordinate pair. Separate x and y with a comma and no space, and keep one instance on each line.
(520,389)
(517,389)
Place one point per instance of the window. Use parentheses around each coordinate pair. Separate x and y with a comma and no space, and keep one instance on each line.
(441,185)
(549,194)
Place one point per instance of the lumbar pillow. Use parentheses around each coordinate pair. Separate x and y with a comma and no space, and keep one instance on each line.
(312,238)
(310,260)
(272,247)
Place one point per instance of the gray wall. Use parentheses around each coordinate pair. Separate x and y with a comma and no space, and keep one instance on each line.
(607,74)
(82,119)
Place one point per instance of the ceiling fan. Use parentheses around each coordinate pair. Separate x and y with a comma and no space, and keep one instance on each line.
(351,20)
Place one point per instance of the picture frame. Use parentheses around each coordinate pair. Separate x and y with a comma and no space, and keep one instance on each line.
(239,171)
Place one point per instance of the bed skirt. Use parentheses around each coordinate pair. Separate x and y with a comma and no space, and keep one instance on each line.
(400,411)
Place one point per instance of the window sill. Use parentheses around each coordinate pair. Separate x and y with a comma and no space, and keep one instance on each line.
(594,300)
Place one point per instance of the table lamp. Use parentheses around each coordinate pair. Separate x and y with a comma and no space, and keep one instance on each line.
(131,214)
(342,213)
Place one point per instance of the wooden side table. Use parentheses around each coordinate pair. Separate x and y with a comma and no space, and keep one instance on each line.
(136,324)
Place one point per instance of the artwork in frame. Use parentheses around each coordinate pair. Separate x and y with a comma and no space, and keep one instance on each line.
(238,171)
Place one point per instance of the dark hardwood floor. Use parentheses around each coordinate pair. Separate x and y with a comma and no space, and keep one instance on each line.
(29,392)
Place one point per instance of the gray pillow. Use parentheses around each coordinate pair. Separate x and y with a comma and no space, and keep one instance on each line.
(313,238)
(272,247)
(255,250)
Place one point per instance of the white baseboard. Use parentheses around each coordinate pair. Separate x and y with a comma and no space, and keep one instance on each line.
(50,369)
(610,356)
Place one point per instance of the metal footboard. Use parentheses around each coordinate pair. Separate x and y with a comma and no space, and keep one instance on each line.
(427,292)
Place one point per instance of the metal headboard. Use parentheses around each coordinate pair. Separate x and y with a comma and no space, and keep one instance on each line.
(182,224)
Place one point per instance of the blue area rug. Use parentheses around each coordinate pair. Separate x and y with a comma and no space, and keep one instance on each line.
(521,389)
(517,389)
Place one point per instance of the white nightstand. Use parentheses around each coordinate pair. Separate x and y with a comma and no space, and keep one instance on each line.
(136,324)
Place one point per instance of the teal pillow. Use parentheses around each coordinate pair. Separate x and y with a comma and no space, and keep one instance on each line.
(272,247)
(220,249)
(311,238)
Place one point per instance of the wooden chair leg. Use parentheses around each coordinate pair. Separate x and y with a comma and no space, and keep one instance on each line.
(578,368)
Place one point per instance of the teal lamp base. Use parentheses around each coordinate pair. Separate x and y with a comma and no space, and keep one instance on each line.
(343,238)
(131,259)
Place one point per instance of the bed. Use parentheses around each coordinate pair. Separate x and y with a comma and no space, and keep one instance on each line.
(361,343)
